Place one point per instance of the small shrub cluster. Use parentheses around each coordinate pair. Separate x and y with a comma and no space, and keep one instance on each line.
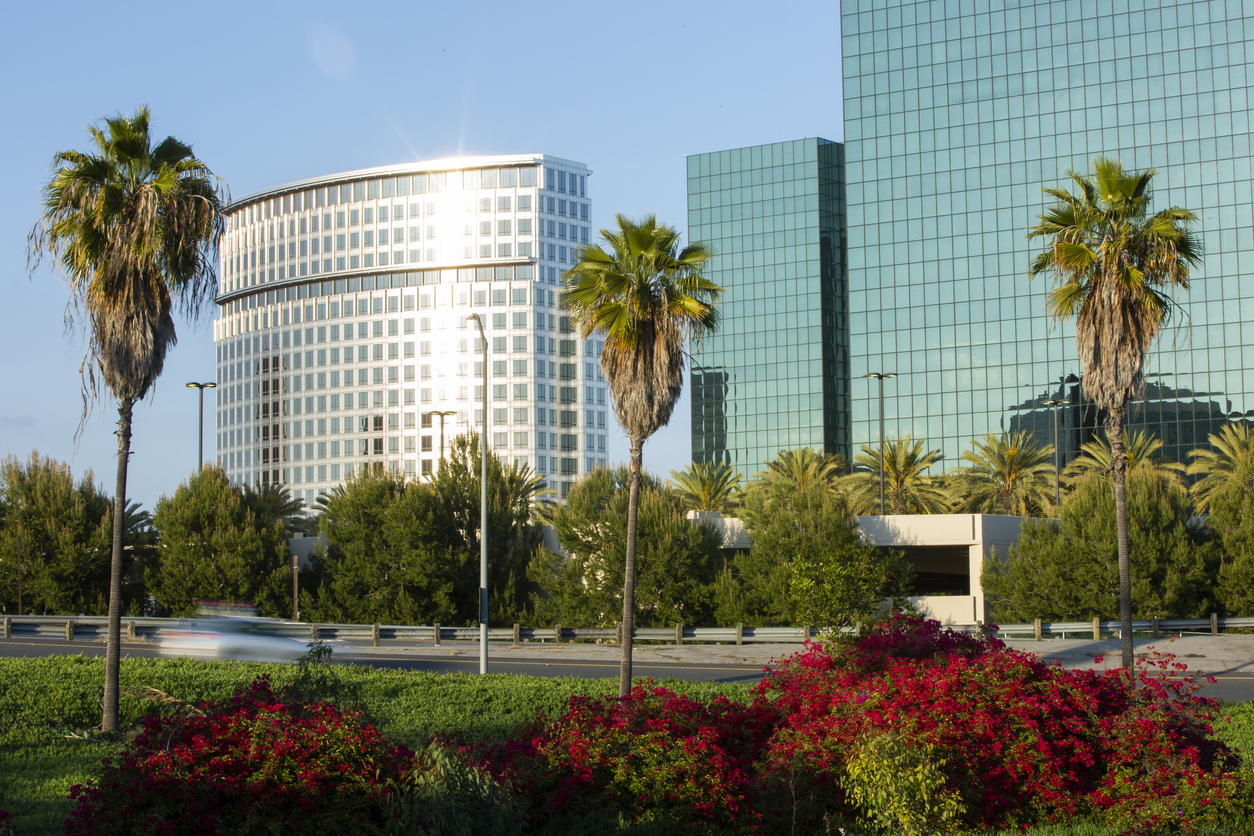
(256,763)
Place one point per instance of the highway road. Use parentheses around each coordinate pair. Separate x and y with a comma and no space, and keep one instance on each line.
(1229,686)
(466,662)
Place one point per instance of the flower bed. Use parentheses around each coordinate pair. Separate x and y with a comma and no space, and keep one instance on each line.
(912,728)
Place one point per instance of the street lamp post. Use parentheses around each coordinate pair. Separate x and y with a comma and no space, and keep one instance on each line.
(200,450)
(1055,403)
(19,572)
(483,506)
(881,377)
(444,415)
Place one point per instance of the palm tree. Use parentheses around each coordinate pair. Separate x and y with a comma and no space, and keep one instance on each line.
(135,229)
(649,297)
(806,465)
(906,487)
(1141,448)
(1113,264)
(274,504)
(707,487)
(1232,447)
(1009,474)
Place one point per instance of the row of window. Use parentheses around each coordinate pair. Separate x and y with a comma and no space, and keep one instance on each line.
(385,213)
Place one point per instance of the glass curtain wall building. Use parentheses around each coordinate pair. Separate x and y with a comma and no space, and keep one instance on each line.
(343,327)
(776,375)
(957,114)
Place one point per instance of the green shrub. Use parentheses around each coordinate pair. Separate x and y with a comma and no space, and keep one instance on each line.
(444,795)
(900,786)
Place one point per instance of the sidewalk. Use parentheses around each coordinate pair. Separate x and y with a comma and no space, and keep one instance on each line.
(1203,654)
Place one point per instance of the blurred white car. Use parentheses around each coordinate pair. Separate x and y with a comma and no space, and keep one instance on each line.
(240,639)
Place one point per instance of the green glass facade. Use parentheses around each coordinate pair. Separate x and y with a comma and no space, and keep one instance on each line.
(957,114)
(777,373)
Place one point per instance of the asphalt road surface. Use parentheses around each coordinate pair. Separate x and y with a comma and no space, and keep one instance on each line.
(467,663)
(1228,686)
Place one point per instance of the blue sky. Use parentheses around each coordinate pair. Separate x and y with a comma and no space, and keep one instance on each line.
(269,92)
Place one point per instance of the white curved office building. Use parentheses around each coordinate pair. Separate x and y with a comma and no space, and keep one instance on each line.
(343,325)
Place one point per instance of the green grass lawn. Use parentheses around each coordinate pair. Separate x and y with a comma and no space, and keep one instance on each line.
(48,706)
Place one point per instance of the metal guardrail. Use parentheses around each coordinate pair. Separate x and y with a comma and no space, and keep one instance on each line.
(95,627)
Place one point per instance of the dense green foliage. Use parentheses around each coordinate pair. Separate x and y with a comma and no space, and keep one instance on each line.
(65,528)
(675,563)
(407,552)
(808,563)
(1232,521)
(216,546)
(391,556)
(1067,569)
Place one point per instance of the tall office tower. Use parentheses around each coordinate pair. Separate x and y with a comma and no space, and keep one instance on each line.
(776,375)
(957,114)
(343,331)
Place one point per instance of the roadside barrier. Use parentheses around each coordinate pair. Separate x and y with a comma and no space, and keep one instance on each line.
(88,628)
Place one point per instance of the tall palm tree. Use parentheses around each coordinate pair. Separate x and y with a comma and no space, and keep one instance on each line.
(1232,447)
(1113,264)
(1008,474)
(135,230)
(649,297)
(707,486)
(907,488)
(1140,448)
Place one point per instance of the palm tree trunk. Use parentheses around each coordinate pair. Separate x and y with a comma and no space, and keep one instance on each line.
(113,641)
(1119,467)
(629,572)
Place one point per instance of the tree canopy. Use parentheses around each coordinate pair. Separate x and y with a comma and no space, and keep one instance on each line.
(1067,569)
(675,565)
(216,546)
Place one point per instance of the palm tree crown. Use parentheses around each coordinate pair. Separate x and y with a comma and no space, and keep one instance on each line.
(1112,263)
(135,229)
(648,296)
(1008,474)
(1232,447)
(707,486)
(275,504)
(805,466)
(1140,448)
(907,490)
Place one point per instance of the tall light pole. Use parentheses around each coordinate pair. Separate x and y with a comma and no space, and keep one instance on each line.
(450,413)
(483,506)
(200,450)
(1055,403)
(881,377)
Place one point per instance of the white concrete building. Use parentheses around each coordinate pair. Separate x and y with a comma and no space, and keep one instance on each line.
(947,550)
(343,326)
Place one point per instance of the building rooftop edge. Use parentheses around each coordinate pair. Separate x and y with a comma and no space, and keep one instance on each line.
(418,167)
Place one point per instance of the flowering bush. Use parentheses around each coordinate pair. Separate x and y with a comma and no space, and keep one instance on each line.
(254,764)
(912,727)
(653,758)
(1018,741)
